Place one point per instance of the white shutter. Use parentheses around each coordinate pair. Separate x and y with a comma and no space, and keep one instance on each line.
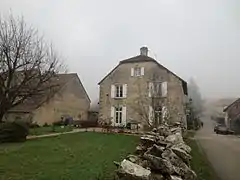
(112,115)
(164,89)
(112,91)
(132,71)
(124,115)
(150,89)
(164,113)
(124,90)
(142,71)
(150,115)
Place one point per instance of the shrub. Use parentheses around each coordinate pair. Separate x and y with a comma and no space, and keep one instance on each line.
(46,125)
(128,126)
(53,128)
(58,123)
(87,124)
(33,125)
(13,131)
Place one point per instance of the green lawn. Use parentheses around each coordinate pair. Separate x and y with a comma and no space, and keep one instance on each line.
(49,129)
(200,163)
(85,156)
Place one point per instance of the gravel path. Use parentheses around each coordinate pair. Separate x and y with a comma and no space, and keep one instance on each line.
(100,130)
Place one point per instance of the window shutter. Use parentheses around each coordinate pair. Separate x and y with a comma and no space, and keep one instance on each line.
(164,89)
(113,91)
(164,113)
(112,115)
(150,115)
(124,115)
(142,71)
(132,71)
(125,90)
(150,89)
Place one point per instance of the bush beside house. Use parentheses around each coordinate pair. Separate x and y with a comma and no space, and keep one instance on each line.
(13,131)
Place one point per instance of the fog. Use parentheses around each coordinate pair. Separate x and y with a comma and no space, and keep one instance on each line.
(199,39)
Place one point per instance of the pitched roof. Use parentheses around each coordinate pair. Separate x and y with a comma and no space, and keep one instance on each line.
(227,107)
(36,101)
(142,58)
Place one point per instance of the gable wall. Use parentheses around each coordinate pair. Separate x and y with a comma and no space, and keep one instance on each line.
(70,101)
(234,109)
(138,87)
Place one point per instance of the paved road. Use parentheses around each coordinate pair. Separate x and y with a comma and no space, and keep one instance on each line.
(222,151)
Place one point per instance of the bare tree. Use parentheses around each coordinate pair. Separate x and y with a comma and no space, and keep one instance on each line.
(27,63)
(153,98)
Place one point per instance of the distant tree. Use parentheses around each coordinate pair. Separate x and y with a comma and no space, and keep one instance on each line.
(195,95)
(27,63)
(193,121)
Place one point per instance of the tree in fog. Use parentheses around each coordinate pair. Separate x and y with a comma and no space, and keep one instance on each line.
(195,95)
(27,63)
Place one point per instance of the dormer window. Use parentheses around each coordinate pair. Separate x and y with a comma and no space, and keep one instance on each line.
(137,71)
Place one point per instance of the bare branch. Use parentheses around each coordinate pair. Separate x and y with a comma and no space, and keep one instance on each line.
(28,64)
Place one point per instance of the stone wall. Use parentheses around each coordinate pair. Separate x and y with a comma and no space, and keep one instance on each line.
(71,101)
(161,155)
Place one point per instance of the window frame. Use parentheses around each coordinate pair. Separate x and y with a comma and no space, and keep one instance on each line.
(119,91)
(118,114)
(157,89)
(137,71)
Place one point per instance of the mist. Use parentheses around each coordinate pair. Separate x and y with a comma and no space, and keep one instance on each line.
(199,39)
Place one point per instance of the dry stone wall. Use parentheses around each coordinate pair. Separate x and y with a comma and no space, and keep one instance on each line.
(161,155)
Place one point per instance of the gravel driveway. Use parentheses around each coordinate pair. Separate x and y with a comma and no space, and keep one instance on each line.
(223,151)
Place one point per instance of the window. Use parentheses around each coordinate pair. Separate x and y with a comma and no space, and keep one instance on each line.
(119,91)
(118,115)
(137,71)
(157,89)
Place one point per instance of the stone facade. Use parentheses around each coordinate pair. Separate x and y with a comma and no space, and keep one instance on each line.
(137,100)
(71,101)
(232,116)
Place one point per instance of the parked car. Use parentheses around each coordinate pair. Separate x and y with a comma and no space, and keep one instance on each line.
(216,127)
(221,129)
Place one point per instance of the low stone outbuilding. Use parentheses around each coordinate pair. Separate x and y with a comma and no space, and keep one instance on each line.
(70,100)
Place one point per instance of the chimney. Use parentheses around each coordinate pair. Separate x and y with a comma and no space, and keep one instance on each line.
(144,51)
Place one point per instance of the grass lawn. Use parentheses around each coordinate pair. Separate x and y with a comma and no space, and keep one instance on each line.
(49,129)
(200,163)
(84,156)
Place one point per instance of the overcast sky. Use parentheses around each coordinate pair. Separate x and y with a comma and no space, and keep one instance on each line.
(193,38)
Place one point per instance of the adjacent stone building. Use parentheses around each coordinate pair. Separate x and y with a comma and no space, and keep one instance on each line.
(140,89)
(70,100)
(232,116)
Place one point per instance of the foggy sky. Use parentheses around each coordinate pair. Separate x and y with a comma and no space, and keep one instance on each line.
(199,39)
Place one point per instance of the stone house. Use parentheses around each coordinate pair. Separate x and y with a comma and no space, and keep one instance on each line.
(70,100)
(140,89)
(232,116)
